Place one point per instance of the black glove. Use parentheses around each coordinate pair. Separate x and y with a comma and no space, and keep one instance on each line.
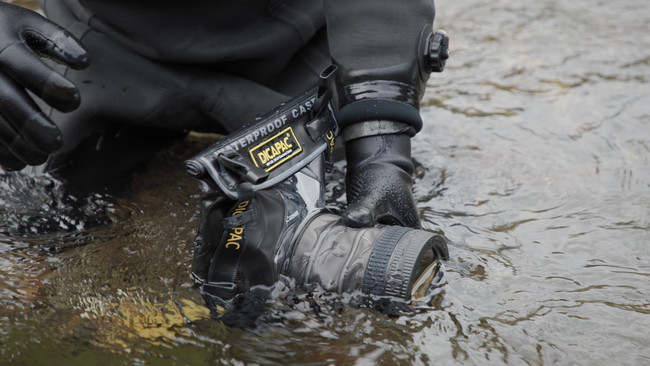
(27,136)
(379,181)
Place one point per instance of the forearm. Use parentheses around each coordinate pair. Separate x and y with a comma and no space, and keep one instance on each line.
(379,47)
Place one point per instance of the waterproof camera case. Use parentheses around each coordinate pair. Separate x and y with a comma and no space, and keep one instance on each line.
(263,213)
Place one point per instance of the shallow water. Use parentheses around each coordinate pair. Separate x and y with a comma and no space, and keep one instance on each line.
(535,158)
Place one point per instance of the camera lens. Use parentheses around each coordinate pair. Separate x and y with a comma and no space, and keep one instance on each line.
(382,261)
(398,258)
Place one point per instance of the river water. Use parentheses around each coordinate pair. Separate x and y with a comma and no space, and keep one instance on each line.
(535,166)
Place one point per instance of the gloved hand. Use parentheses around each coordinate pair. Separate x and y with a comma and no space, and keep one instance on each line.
(27,136)
(379,181)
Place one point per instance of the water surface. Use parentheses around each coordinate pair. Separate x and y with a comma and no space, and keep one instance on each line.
(535,166)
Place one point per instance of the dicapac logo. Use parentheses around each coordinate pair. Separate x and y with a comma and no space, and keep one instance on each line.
(276,150)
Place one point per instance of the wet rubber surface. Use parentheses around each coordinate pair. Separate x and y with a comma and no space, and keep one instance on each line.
(534,166)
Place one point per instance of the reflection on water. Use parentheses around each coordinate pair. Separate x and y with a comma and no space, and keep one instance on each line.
(534,165)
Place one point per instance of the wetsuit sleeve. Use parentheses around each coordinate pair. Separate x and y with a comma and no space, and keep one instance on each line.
(378,46)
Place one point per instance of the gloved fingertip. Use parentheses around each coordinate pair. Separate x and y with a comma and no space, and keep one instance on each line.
(76,56)
(43,133)
(358,216)
(62,46)
(81,62)
(61,93)
(35,158)
(69,102)
(13,166)
(78,62)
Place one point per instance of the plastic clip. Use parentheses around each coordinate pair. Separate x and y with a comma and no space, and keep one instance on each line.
(233,162)
(325,91)
(438,51)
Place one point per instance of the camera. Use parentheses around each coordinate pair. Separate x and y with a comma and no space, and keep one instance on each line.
(264,213)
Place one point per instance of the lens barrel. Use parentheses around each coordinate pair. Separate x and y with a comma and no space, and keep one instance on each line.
(382,261)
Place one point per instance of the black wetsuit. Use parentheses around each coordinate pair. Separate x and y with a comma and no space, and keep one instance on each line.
(215,65)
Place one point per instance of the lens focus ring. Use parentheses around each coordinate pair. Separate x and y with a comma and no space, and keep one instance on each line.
(396,258)
(374,279)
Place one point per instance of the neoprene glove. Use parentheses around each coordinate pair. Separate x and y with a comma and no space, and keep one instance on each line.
(27,136)
(379,182)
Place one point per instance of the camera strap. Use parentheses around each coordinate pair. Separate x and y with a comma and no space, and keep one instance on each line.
(227,258)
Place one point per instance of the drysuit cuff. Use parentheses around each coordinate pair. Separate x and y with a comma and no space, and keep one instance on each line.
(374,128)
(379,109)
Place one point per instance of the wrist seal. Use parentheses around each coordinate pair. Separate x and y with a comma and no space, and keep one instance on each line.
(375,128)
(379,109)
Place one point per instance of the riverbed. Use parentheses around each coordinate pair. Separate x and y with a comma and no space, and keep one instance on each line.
(534,164)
